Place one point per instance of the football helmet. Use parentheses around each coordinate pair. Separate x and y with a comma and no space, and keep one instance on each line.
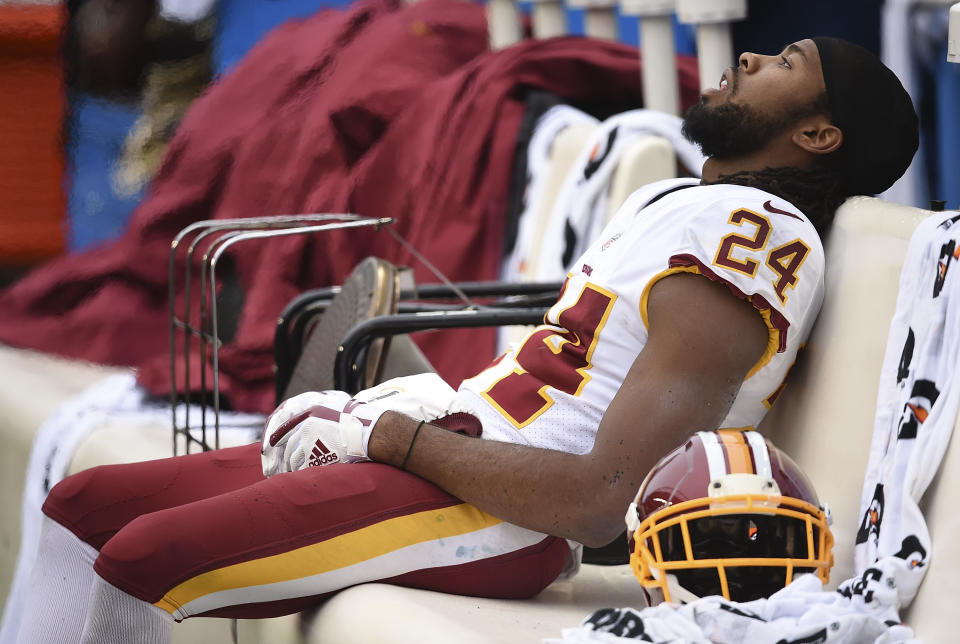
(726,513)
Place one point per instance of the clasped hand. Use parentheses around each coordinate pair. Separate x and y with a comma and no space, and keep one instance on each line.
(317,428)
(327,427)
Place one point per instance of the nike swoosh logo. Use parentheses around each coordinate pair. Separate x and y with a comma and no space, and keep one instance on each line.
(769,207)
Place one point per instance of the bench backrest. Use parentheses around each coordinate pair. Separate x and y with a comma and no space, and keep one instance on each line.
(824,418)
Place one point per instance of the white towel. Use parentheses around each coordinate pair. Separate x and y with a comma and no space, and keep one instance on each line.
(917,406)
(539,152)
(186,10)
(118,399)
(580,208)
(800,613)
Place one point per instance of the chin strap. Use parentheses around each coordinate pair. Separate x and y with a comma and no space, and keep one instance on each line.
(678,594)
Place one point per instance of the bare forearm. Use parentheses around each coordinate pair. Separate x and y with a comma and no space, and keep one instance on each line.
(543,490)
(577,496)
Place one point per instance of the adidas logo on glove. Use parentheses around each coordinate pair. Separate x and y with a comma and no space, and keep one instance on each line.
(322,456)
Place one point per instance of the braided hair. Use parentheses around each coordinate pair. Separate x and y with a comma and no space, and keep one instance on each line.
(816,191)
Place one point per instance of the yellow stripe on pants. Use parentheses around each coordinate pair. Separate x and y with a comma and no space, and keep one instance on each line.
(338,552)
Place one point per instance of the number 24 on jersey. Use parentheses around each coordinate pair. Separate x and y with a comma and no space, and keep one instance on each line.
(784,260)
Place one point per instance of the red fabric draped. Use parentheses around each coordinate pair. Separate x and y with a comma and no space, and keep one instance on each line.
(385,109)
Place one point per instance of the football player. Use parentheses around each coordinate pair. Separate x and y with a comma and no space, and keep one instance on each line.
(683,316)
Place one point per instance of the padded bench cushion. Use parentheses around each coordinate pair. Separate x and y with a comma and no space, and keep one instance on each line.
(824,418)
(383,613)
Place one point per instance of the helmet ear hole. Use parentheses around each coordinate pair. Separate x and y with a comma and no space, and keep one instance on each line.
(726,514)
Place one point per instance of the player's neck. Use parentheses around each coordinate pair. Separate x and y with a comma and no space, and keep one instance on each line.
(777,154)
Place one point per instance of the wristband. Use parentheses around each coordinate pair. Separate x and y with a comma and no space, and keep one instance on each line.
(403,465)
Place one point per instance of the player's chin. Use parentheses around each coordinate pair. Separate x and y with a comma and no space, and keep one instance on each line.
(712,95)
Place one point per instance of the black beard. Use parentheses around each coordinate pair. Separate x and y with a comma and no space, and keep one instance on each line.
(729,131)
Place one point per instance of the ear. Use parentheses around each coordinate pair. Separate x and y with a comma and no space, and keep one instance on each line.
(817,135)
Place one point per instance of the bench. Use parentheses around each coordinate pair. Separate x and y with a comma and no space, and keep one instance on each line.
(824,419)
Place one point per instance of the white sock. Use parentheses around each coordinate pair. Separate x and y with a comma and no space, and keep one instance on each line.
(59,588)
(115,617)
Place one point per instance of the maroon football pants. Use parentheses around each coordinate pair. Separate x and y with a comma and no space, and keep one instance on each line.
(207,534)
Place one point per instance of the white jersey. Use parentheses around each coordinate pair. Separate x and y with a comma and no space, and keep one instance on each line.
(552,389)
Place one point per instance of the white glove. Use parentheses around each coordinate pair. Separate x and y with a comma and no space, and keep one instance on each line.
(424,396)
(317,428)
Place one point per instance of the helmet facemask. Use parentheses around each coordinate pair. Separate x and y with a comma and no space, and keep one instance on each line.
(742,540)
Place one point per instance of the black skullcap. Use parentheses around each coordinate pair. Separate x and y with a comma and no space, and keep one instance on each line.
(874,112)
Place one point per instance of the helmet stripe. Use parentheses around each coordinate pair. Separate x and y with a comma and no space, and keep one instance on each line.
(737,452)
(714,452)
(761,456)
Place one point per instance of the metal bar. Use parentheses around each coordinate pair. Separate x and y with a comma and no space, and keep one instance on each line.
(600,22)
(207,331)
(202,335)
(953,35)
(171,283)
(273,221)
(345,368)
(549,19)
(503,19)
(714,52)
(661,86)
(481,290)
(204,229)
(248,236)
(714,40)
